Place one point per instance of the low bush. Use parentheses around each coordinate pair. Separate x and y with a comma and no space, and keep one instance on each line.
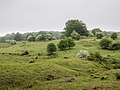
(95,57)
(105,43)
(115,46)
(51,48)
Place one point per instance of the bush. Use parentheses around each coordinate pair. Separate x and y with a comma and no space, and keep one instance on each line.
(95,57)
(114,35)
(115,46)
(62,45)
(70,43)
(31,38)
(66,43)
(99,35)
(105,43)
(51,48)
(41,37)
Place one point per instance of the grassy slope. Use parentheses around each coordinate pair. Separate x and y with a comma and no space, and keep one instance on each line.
(16,72)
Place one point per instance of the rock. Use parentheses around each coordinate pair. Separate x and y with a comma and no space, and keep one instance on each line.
(82,54)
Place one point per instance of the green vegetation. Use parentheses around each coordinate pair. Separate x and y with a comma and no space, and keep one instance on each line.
(75,25)
(31,61)
(51,48)
(38,71)
(114,35)
(105,43)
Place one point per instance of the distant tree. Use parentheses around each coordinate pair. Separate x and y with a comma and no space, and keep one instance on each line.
(31,38)
(75,35)
(62,45)
(105,43)
(114,35)
(2,39)
(99,35)
(51,48)
(70,43)
(41,37)
(49,36)
(76,25)
(95,30)
(18,37)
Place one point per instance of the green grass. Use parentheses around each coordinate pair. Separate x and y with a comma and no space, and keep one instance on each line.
(46,73)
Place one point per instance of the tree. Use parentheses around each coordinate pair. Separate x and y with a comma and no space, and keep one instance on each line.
(62,45)
(76,25)
(99,35)
(51,48)
(41,37)
(31,38)
(75,35)
(18,37)
(105,43)
(95,30)
(114,35)
(70,43)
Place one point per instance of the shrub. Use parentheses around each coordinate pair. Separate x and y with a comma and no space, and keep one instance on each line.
(70,43)
(105,43)
(115,46)
(114,35)
(41,37)
(62,45)
(51,48)
(99,35)
(31,38)
(95,57)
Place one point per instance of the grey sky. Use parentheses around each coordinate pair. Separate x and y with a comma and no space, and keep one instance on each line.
(35,15)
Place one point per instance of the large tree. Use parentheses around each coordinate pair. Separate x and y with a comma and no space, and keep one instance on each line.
(76,25)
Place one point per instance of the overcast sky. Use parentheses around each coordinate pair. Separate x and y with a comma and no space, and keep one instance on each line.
(35,15)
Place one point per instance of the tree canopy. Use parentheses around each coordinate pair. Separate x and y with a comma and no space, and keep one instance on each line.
(76,25)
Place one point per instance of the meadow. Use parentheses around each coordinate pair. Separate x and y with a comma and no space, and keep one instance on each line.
(63,71)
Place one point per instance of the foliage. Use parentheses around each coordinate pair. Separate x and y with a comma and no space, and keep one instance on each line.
(31,38)
(95,30)
(114,35)
(115,46)
(105,43)
(70,43)
(95,57)
(2,39)
(99,35)
(75,35)
(76,25)
(66,43)
(42,37)
(18,37)
(62,45)
(51,48)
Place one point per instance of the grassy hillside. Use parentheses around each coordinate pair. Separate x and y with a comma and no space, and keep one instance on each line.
(38,71)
